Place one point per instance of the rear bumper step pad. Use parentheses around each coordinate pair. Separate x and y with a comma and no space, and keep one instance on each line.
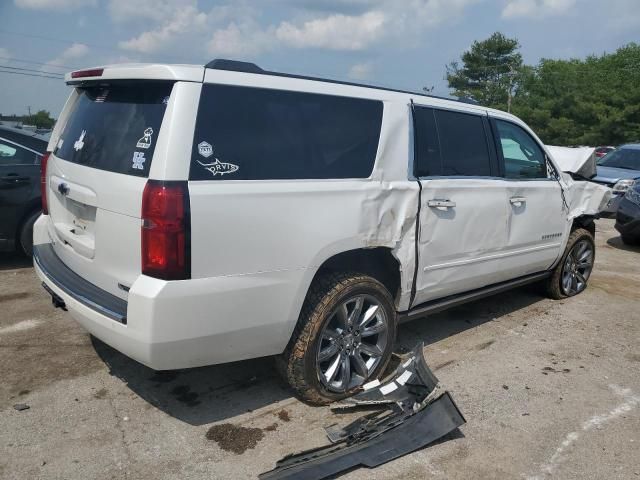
(77,287)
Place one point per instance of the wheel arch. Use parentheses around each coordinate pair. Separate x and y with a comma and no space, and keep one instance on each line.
(377,262)
(585,221)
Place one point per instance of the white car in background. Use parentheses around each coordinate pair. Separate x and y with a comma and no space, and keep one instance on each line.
(199,215)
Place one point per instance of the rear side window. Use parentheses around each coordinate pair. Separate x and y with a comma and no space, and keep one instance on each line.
(450,144)
(115,127)
(12,154)
(258,134)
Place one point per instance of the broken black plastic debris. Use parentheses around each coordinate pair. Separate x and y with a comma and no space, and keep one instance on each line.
(412,415)
(21,406)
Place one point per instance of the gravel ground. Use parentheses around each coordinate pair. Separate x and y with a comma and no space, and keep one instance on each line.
(550,389)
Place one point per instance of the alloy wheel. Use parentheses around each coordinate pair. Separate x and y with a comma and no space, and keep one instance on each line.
(577,268)
(352,343)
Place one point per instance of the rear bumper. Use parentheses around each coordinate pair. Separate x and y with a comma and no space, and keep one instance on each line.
(180,324)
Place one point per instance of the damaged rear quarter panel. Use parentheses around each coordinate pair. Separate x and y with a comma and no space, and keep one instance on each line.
(248,229)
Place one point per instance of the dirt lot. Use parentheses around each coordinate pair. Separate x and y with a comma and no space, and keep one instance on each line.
(549,389)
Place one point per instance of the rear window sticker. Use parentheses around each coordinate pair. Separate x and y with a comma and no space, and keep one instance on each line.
(205,149)
(138,161)
(165,100)
(60,142)
(145,141)
(77,146)
(219,168)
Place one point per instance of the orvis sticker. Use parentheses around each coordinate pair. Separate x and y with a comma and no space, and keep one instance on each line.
(145,141)
(138,161)
(219,168)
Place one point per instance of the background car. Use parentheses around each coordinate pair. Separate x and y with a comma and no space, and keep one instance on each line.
(20,204)
(618,170)
(628,217)
(602,151)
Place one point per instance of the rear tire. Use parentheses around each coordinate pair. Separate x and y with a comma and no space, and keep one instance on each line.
(572,273)
(344,317)
(26,234)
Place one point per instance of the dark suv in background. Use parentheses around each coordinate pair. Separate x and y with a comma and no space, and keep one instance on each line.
(628,217)
(20,204)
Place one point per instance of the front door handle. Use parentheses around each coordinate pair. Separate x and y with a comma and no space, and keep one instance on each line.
(441,203)
(517,201)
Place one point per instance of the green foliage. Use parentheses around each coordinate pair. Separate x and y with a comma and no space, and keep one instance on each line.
(490,71)
(595,101)
(41,119)
(592,101)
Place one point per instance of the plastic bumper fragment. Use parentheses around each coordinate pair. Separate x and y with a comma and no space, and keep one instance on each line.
(412,415)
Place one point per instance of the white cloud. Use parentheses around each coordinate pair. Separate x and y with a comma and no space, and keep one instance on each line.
(156,10)
(74,52)
(360,71)
(335,32)
(54,4)
(240,40)
(184,20)
(536,8)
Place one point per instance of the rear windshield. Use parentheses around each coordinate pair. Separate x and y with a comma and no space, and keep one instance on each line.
(115,127)
(258,134)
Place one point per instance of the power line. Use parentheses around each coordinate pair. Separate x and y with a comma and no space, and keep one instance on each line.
(33,62)
(30,74)
(59,75)
(92,45)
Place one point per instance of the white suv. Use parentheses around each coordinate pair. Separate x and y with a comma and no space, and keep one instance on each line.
(200,215)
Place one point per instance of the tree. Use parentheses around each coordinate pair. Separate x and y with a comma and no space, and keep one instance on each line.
(594,101)
(491,72)
(41,119)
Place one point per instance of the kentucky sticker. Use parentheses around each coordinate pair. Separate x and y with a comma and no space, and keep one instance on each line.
(138,161)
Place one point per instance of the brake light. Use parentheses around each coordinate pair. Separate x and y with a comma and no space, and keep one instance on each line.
(94,72)
(166,230)
(43,182)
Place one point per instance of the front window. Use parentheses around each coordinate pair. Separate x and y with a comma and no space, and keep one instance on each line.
(523,157)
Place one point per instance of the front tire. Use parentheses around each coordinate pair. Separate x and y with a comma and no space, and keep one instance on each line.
(572,273)
(343,339)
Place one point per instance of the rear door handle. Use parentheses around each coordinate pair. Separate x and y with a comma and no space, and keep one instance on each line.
(440,203)
(14,178)
(517,201)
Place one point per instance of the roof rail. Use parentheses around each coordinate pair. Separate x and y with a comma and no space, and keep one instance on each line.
(248,67)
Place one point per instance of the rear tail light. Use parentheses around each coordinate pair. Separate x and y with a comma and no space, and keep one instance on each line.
(43,182)
(166,230)
(94,72)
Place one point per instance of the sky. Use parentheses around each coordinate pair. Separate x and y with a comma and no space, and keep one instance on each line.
(402,44)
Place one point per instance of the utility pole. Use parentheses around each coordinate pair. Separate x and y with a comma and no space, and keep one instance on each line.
(511,74)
